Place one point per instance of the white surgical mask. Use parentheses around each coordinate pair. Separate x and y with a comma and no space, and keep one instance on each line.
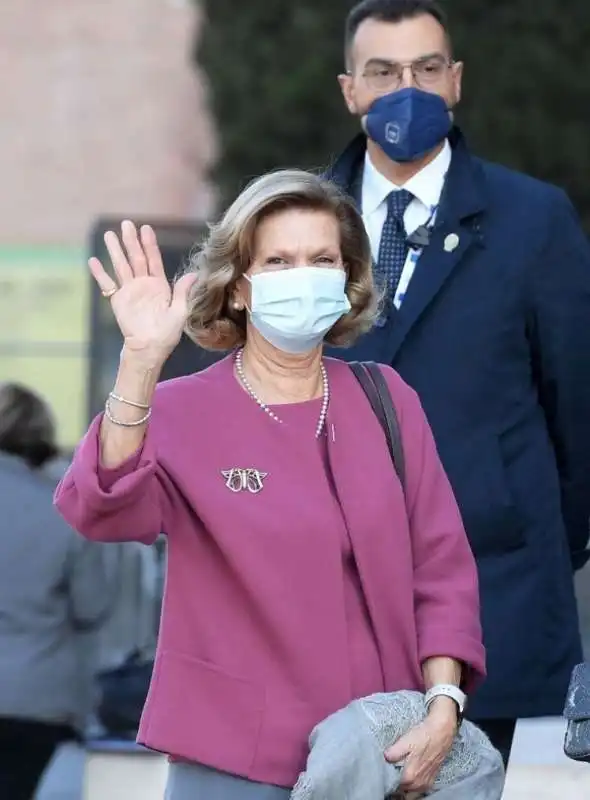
(294,308)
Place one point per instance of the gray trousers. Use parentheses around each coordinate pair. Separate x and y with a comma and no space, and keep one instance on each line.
(197,782)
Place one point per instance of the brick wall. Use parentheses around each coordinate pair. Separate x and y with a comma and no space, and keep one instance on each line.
(101,111)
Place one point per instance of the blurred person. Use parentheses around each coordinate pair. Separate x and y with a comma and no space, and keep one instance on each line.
(299,575)
(486,274)
(126,643)
(53,585)
(133,623)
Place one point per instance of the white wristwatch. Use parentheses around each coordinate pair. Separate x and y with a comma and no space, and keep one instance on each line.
(447,690)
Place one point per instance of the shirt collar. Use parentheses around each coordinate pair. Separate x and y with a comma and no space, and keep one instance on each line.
(426,185)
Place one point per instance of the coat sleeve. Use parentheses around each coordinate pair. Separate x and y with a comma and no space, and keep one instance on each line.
(120,505)
(446,591)
(559,334)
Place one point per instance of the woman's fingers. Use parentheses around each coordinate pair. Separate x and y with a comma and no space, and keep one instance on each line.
(105,283)
(152,251)
(121,266)
(136,256)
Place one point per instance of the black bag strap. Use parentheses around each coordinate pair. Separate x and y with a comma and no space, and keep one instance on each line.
(375,387)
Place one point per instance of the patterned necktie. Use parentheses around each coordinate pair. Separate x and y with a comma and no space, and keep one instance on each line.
(393,248)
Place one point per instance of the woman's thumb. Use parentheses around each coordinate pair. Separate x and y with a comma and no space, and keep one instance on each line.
(397,752)
(181,290)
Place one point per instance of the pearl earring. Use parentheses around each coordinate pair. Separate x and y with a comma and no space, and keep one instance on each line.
(237,306)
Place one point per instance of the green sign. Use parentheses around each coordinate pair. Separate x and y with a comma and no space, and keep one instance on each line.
(44,329)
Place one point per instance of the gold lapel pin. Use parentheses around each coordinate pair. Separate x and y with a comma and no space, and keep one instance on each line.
(451,242)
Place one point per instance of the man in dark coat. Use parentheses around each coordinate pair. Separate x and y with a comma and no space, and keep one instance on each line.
(486,277)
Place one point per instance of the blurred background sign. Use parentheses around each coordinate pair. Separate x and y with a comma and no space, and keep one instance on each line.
(44,329)
(50,342)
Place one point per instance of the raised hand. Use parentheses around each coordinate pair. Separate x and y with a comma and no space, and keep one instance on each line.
(149,312)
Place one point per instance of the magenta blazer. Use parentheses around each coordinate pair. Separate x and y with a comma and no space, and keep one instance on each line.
(252,647)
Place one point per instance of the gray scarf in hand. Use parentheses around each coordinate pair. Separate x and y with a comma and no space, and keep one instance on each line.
(347,762)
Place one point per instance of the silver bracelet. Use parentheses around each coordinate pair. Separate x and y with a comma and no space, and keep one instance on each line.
(108,414)
(126,402)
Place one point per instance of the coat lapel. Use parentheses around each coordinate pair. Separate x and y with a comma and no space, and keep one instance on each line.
(455,234)
(435,266)
(347,170)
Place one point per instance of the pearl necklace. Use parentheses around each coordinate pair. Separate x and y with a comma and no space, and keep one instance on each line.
(270,412)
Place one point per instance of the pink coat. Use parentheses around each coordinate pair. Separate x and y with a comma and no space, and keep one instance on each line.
(252,646)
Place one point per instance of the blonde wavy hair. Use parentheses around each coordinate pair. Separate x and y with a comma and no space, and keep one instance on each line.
(228,251)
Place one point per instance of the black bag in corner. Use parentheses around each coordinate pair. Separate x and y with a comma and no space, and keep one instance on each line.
(123,692)
(577,713)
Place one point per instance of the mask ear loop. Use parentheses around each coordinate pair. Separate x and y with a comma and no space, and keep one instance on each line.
(236,305)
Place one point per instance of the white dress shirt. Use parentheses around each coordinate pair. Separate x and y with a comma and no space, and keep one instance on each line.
(426,186)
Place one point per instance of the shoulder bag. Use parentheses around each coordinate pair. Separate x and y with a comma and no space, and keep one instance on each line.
(375,387)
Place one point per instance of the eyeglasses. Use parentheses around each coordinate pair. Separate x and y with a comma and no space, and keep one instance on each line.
(382,76)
